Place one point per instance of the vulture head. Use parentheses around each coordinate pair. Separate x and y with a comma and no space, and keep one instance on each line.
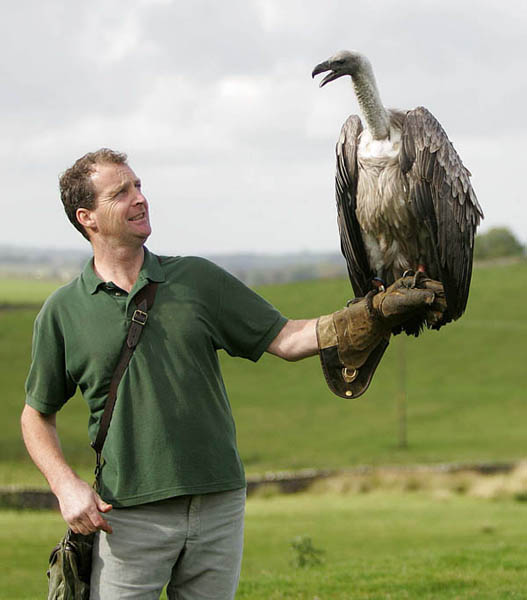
(341,63)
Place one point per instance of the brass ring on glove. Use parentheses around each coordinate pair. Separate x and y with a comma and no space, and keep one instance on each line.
(349,375)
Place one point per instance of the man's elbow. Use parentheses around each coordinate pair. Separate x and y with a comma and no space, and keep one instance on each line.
(25,415)
(31,416)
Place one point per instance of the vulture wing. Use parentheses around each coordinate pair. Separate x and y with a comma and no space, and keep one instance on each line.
(351,243)
(444,202)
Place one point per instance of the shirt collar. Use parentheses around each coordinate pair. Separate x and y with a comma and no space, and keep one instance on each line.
(150,271)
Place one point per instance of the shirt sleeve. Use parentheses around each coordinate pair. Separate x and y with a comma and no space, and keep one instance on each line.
(48,385)
(246,323)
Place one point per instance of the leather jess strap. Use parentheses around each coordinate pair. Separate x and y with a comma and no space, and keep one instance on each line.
(144,300)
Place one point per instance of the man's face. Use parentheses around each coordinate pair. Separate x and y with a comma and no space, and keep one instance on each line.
(121,210)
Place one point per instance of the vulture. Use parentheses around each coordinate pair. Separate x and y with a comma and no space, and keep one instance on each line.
(404,199)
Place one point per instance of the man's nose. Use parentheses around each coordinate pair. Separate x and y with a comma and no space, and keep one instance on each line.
(140,198)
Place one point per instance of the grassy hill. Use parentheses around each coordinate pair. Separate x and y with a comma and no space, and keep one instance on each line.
(466,388)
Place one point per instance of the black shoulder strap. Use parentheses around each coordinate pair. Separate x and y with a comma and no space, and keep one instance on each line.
(144,301)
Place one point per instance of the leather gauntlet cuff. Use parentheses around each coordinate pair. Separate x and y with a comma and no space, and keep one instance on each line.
(351,344)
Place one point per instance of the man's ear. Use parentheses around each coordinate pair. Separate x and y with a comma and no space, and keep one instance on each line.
(86,219)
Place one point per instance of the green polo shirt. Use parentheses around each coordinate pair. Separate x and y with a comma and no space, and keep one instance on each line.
(172,431)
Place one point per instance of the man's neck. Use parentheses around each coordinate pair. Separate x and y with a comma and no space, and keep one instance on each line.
(119,265)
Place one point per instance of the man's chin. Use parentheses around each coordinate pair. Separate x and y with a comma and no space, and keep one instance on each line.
(137,239)
(143,233)
(144,237)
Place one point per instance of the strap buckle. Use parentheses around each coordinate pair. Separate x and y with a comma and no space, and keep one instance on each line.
(140,317)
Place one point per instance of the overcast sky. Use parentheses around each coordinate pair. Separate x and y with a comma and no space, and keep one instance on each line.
(215,106)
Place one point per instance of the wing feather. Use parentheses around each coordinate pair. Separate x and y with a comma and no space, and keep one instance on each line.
(443,200)
(351,242)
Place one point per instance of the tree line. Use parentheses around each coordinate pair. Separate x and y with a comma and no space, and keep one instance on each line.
(498,242)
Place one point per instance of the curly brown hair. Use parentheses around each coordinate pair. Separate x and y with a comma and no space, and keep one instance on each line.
(76,186)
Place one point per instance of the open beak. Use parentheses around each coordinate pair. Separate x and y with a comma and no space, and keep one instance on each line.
(323,67)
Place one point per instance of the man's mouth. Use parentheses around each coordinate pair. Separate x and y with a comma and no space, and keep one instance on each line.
(138,217)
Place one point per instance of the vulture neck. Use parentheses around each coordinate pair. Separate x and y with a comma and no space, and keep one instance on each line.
(376,115)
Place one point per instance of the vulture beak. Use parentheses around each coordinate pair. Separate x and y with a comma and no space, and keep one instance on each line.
(321,68)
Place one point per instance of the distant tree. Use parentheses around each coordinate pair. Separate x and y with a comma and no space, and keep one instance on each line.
(497,243)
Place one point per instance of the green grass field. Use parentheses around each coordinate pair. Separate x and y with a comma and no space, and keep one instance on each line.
(25,291)
(466,389)
(375,546)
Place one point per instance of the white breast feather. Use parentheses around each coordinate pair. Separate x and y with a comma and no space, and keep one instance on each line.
(387,224)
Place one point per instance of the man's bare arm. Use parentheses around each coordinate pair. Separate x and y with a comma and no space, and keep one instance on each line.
(296,340)
(79,504)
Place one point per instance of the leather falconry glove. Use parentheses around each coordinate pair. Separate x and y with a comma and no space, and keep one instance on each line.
(353,340)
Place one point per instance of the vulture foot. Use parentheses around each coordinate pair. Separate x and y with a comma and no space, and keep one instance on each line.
(431,318)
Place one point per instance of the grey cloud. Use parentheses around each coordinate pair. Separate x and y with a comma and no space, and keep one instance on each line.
(216,106)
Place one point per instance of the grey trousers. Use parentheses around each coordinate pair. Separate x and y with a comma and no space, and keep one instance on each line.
(192,543)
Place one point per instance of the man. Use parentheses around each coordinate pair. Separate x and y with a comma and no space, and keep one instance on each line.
(172,488)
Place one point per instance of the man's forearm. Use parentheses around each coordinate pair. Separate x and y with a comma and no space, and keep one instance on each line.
(40,437)
(79,504)
(296,340)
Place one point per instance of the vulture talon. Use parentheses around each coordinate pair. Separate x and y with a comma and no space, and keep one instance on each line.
(352,301)
(378,284)
(418,276)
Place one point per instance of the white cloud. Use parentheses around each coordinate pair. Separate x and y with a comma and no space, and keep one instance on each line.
(215,105)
